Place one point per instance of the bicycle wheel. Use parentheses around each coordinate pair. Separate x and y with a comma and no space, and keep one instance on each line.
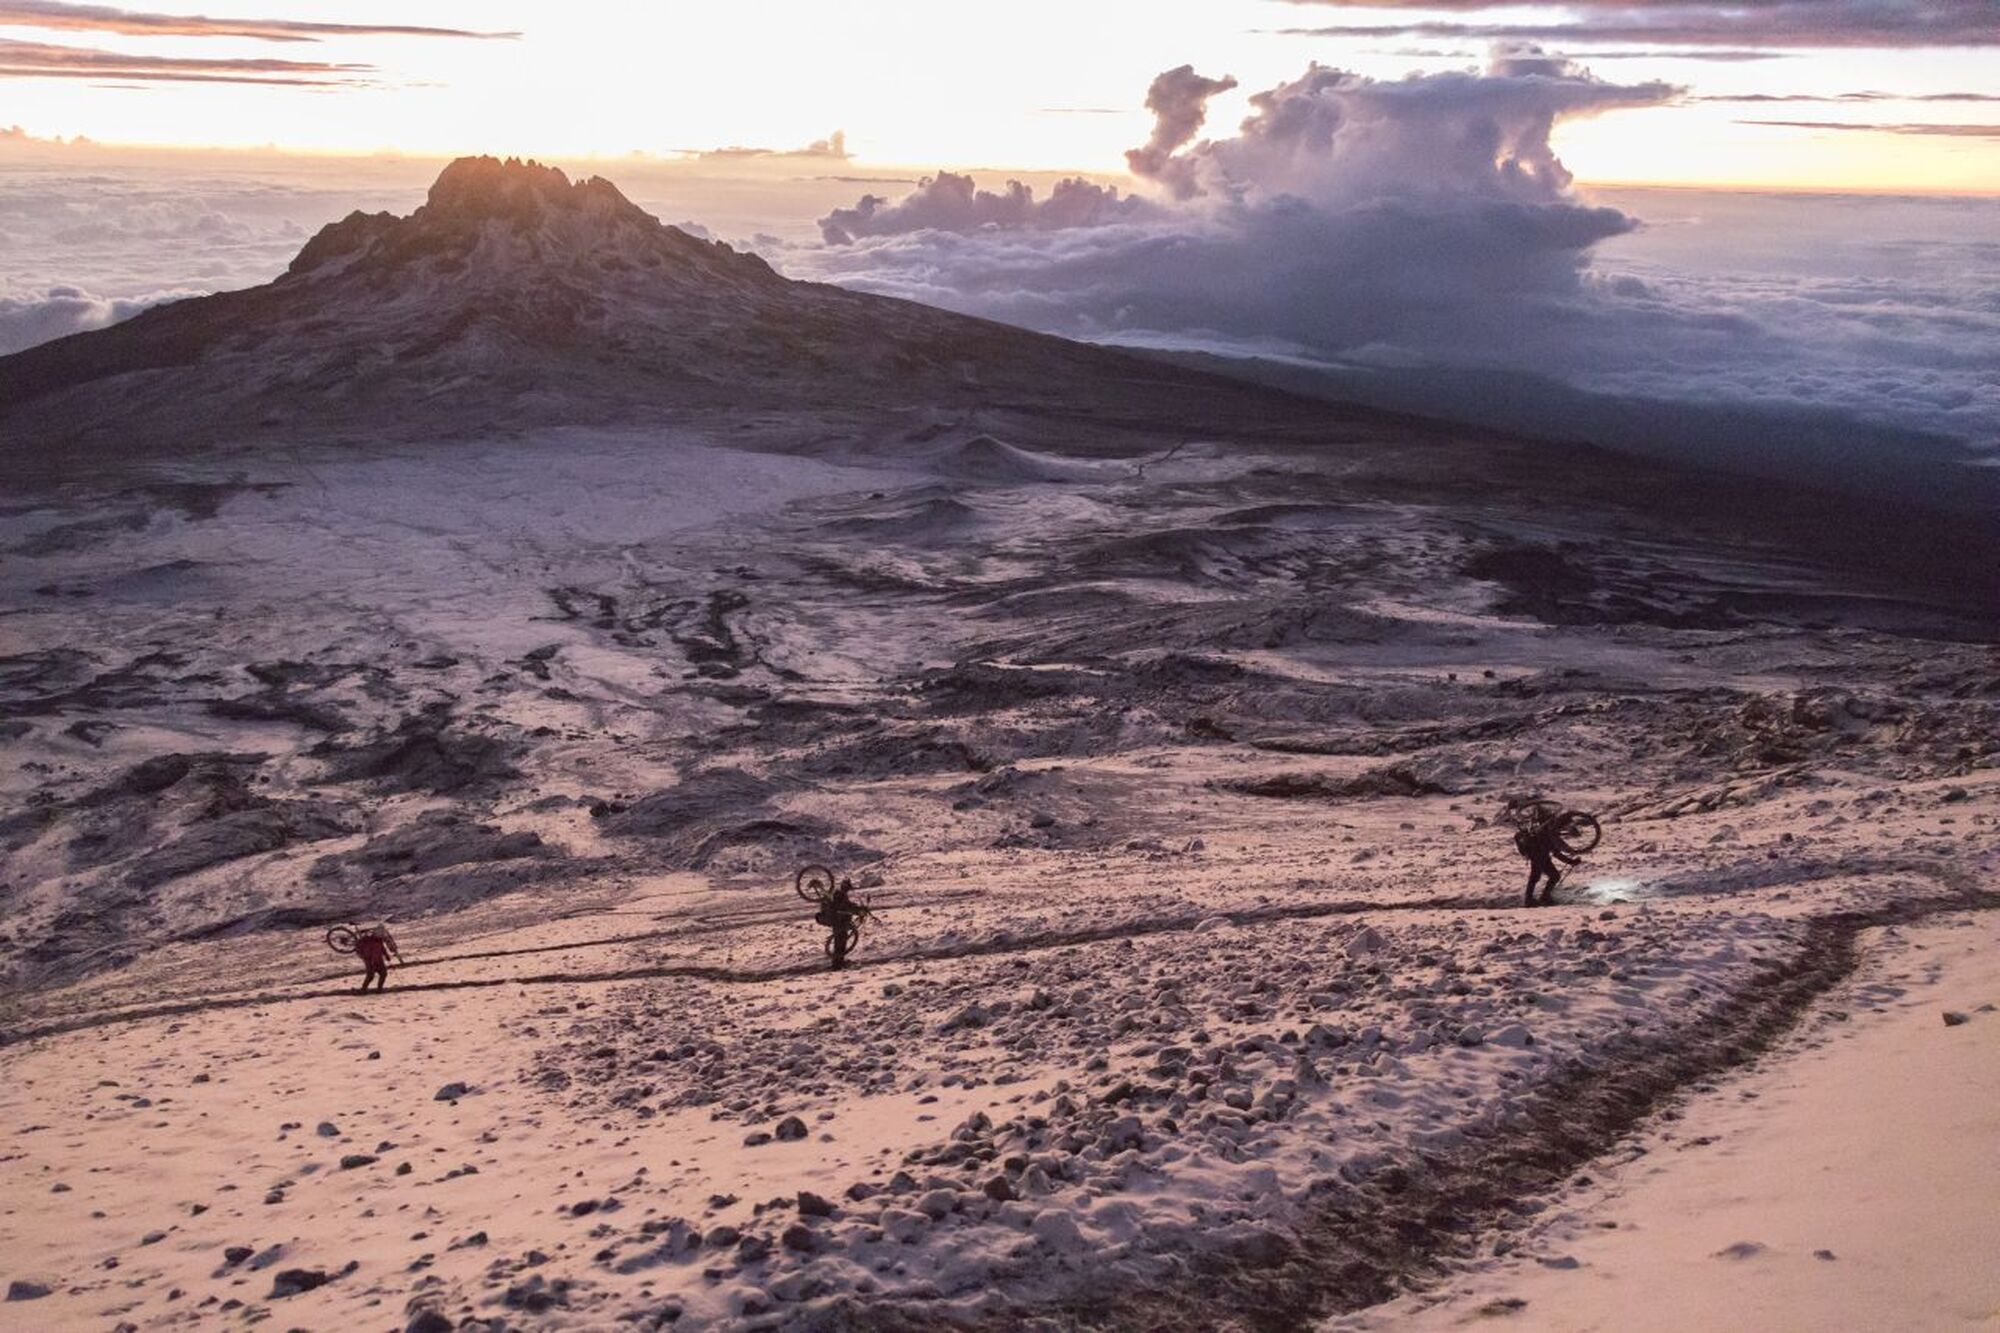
(341,939)
(813,883)
(1579,832)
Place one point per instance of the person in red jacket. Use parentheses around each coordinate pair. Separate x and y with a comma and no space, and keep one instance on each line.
(374,947)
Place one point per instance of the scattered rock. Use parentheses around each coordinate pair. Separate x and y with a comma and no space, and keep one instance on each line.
(1122,1133)
(292,1281)
(973,1015)
(1057,1230)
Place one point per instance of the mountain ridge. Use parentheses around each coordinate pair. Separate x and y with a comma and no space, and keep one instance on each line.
(517,298)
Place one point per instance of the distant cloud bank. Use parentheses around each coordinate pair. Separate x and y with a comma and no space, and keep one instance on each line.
(29,318)
(1428,221)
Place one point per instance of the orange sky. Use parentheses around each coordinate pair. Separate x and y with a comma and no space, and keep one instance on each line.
(1038,83)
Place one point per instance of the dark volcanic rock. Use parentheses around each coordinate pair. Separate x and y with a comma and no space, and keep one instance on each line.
(240,834)
(435,840)
(292,1281)
(426,752)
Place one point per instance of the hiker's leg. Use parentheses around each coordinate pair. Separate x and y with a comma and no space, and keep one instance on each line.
(1549,889)
(1534,875)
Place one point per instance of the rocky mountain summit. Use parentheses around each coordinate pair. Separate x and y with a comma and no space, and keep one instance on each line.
(514,298)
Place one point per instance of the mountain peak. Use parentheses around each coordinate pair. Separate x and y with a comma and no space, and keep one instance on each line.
(502,219)
(517,189)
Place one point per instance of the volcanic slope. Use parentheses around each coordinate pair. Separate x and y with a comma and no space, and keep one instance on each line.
(515,298)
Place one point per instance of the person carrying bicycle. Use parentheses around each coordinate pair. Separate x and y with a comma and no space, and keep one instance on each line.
(1545,833)
(374,947)
(841,915)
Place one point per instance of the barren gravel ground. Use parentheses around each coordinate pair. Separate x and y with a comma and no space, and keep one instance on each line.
(1200,996)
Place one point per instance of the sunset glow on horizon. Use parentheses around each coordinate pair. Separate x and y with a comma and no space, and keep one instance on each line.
(1054,87)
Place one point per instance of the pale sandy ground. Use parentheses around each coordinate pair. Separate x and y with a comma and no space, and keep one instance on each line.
(139,1153)
(1852,1182)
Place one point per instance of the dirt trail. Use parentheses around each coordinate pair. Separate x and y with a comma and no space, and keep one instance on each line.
(974,949)
(1953,877)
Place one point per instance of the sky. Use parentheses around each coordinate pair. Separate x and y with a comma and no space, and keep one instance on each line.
(1766,225)
(1854,89)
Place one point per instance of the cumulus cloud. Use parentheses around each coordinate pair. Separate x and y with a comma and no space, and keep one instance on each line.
(28,318)
(1337,138)
(1178,100)
(1780,23)
(1343,211)
(948,202)
(57,16)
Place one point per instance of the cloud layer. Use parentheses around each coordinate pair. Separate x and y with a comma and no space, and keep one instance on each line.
(1428,222)
(85,242)
(31,317)
(1778,23)
(57,16)
(43,60)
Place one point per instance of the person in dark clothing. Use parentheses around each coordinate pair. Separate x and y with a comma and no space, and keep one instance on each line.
(1540,841)
(374,947)
(841,915)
